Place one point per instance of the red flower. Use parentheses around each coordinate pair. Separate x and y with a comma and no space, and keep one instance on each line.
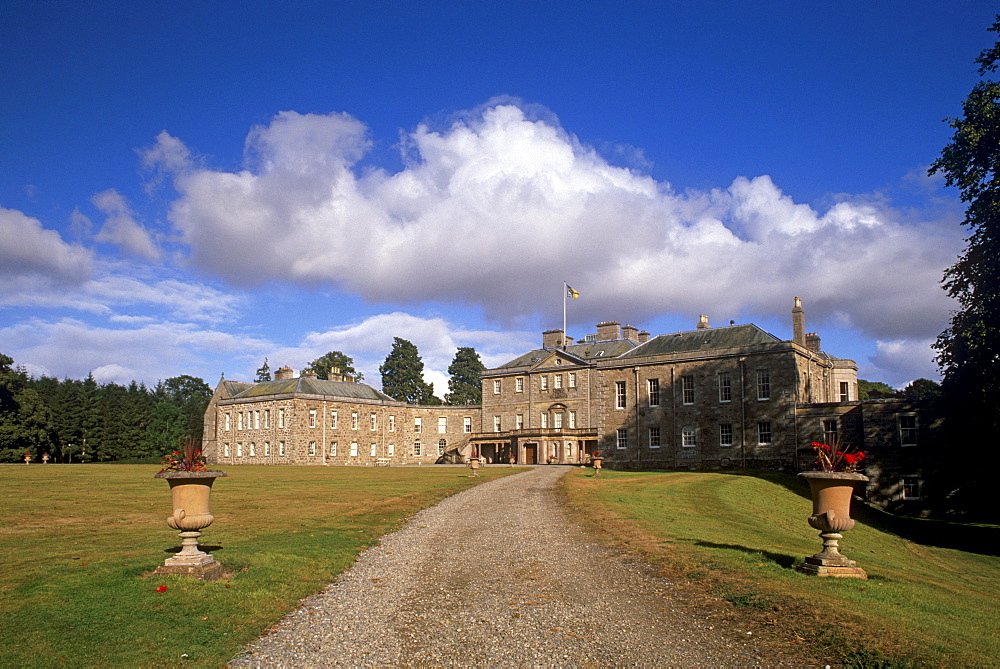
(161,588)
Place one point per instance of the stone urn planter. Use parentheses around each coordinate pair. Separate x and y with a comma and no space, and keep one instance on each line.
(831,515)
(597,462)
(190,492)
(474,463)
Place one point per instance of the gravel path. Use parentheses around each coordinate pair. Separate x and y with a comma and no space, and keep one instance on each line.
(499,576)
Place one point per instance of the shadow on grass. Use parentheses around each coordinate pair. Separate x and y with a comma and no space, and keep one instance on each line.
(969,537)
(785,561)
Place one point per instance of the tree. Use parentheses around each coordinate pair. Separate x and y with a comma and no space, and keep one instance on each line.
(263,373)
(968,350)
(191,396)
(870,390)
(464,386)
(920,390)
(335,360)
(403,375)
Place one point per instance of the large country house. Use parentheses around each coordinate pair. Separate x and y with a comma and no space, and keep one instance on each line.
(733,397)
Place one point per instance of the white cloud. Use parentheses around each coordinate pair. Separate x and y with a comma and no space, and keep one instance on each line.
(369,341)
(900,361)
(498,208)
(30,254)
(121,228)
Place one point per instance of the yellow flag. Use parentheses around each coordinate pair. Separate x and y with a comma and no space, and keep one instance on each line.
(571,293)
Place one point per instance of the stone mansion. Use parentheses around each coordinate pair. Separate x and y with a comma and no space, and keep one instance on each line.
(733,397)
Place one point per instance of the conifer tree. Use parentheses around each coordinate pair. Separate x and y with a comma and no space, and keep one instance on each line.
(263,373)
(403,375)
(464,386)
(335,360)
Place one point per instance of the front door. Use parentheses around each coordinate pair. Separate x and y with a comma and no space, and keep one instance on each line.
(531,454)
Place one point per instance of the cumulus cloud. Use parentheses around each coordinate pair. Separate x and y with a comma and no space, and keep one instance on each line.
(369,341)
(498,207)
(30,254)
(121,229)
(900,361)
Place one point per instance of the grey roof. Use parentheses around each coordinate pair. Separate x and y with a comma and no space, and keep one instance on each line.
(703,340)
(308,386)
(583,352)
(234,388)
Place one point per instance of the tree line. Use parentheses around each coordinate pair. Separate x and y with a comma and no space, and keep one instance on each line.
(86,421)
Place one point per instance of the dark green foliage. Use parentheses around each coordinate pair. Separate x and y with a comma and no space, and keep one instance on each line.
(871,390)
(403,375)
(921,390)
(81,421)
(464,386)
(335,360)
(263,373)
(969,349)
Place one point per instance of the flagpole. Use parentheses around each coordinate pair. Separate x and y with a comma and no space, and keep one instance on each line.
(565,292)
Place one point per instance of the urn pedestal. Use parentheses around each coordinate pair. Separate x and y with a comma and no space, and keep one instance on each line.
(190,492)
(474,463)
(831,515)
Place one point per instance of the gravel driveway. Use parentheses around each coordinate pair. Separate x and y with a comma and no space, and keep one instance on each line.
(499,576)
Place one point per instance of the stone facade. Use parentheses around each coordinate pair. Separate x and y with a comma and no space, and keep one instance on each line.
(307,421)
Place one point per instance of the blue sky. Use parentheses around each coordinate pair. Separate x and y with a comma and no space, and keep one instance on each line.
(188,188)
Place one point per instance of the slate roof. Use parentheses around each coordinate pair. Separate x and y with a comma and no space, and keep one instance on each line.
(583,351)
(703,340)
(308,386)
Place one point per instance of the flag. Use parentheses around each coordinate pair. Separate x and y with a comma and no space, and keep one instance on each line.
(571,293)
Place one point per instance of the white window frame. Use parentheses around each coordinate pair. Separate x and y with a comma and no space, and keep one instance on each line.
(281,448)
(442,445)
(557,381)
(374,422)
(544,382)
(687,389)
(442,425)
(333,449)
(572,380)
(653,392)
(372,450)
(621,439)
(354,449)
(907,430)
(497,386)
(763,384)
(545,420)
(333,420)
(689,436)
(312,448)
(312,418)
(654,437)
(725,428)
(765,433)
(621,395)
(903,486)
(467,424)
(267,419)
(725,387)
(418,448)
(281,418)
(229,420)
(392,422)
(354,420)
(519,384)
(572,420)
(496,424)
(418,426)
(519,421)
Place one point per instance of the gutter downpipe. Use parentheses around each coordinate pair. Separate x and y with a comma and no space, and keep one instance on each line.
(638,433)
(743,412)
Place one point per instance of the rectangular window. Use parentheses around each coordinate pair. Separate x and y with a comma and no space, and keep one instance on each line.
(908,430)
(442,444)
(558,381)
(267,448)
(496,423)
(239,450)
(372,452)
(725,434)
(557,420)
(225,450)
(763,384)
(267,419)
(256,419)
(496,386)
(249,420)
(417,448)
(467,424)
(545,382)
(417,424)
(312,448)
(845,391)
(333,449)
(354,420)
(764,433)
(392,423)
(689,436)
(281,448)
(830,432)
(228,421)
(653,390)
(572,379)
(687,389)
(374,421)
(519,421)
(442,424)
(239,420)
(312,417)
(253,449)
(392,450)
(911,487)
(333,420)
(519,384)
(354,449)
(281,418)
(620,396)
(545,420)
(572,420)
(621,439)
(725,387)
(654,437)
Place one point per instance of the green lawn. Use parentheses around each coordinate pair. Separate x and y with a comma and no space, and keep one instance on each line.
(77,544)
(932,595)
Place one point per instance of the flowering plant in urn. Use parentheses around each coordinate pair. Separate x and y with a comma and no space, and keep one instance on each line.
(835,459)
(191,460)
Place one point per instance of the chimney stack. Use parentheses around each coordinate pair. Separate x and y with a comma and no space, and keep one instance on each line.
(609,330)
(283,373)
(703,322)
(630,333)
(798,323)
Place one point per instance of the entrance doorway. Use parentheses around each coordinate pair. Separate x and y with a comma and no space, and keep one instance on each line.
(531,454)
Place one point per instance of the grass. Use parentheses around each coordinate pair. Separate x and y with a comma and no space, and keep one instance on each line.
(931,597)
(78,543)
